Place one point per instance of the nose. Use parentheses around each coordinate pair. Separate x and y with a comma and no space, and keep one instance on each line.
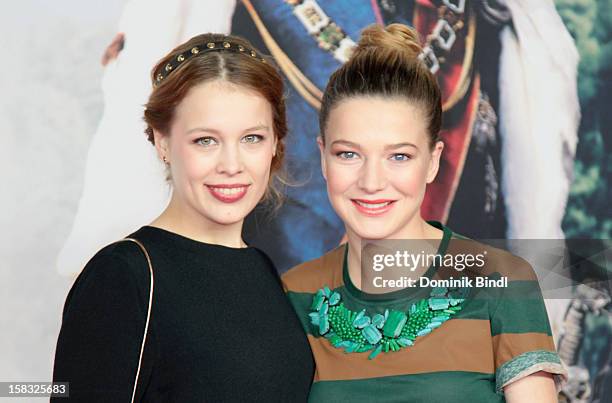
(230,160)
(372,177)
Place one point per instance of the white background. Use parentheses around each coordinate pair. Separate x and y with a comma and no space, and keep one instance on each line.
(50,103)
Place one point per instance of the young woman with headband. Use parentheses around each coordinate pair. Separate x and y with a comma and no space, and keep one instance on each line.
(379,122)
(184,310)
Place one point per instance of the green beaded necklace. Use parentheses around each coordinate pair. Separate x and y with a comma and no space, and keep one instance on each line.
(357,332)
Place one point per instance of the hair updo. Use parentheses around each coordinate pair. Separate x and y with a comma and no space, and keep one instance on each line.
(235,68)
(386,64)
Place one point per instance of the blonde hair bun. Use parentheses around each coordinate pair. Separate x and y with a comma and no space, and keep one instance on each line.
(386,63)
(392,38)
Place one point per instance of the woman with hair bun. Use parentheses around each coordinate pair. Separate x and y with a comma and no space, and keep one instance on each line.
(379,125)
(183,310)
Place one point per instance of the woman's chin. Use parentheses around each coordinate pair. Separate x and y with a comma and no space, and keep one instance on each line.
(221,217)
(224,213)
(373,233)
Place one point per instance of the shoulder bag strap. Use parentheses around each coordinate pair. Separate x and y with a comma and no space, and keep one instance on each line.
(146,328)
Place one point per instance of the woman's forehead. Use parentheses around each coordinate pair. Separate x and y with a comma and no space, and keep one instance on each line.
(213,104)
(375,119)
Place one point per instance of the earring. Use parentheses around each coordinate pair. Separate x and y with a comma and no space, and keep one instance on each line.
(165,159)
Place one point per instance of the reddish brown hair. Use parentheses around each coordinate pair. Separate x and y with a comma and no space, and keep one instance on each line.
(233,67)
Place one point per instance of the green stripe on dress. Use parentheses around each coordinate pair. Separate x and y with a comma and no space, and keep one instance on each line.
(519,309)
(450,386)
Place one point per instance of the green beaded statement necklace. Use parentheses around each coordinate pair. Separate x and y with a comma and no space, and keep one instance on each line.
(357,332)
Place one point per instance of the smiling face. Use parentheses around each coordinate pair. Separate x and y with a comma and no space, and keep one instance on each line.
(219,149)
(377,161)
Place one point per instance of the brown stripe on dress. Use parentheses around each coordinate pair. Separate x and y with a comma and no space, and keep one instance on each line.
(496,260)
(313,275)
(510,345)
(457,345)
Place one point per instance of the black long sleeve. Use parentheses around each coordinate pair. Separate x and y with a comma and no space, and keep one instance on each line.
(103,324)
(221,327)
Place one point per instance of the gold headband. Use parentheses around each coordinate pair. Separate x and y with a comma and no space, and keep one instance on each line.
(200,50)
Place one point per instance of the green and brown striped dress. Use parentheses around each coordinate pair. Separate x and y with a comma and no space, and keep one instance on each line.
(493,341)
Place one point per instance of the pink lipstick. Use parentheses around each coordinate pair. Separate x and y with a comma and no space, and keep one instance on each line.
(373,208)
(228,193)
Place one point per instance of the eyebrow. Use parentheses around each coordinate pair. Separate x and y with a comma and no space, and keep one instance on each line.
(400,145)
(345,143)
(389,147)
(217,132)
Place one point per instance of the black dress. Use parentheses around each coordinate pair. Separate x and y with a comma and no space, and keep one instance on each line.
(221,327)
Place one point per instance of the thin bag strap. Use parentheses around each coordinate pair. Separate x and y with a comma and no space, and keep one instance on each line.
(146,328)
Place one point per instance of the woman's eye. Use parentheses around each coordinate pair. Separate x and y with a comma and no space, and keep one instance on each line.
(252,138)
(205,141)
(400,157)
(347,155)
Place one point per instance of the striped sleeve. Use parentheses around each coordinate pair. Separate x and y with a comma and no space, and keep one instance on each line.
(522,338)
